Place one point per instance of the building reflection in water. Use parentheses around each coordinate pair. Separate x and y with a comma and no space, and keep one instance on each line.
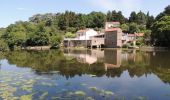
(109,57)
(112,59)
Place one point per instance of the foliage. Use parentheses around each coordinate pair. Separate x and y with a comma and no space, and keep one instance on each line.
(70,35)
(166,12)
(96,19)
(161,32)
(139,18)
(49,29)
(150,21)
(31,34)
(116,16)
(125,46)
(161,29)
(3,45)
(133,27)
(125,27)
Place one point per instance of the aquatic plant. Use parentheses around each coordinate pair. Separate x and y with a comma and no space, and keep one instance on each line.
(83,84)
(102,92)
(93,88)
(26,97)
(6,91)
(47,84)
(89,98)
(92,75)
(108,93)
(141,98)
(26,88)
(42,97)
(80,93)
(30,82)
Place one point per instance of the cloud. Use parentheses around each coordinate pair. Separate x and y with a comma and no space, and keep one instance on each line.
(23,9)
(126,6)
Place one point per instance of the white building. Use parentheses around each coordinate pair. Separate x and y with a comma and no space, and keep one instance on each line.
(85,34)
(82,38)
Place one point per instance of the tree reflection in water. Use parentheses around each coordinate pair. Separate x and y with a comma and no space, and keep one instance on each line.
(111,63)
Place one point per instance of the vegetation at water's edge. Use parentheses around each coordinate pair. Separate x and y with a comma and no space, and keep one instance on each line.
(49,29)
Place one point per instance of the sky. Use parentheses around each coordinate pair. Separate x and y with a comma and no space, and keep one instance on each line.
(15,10)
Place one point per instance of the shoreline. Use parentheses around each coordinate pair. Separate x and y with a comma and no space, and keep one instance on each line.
(145,48)
(37,48)
(148,48)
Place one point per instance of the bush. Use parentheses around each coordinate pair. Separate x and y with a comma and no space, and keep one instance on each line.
(3,45)
(125,46)
(70,35)
(138,43)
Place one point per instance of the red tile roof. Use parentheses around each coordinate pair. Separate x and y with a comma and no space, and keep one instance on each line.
(113,22)
(140,34)
(137,34)
(112,29)
(82,31)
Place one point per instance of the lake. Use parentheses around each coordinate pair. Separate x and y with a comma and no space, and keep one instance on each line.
(111,74)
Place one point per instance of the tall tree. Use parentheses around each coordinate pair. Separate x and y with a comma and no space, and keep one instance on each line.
(164,13)
(116,16)
(161,32)
(141,18)
(167,10)
(150,21)
(133,27)
(15,34)
(133,17)
(96,19)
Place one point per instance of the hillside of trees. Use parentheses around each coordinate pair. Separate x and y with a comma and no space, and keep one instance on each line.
(50,28)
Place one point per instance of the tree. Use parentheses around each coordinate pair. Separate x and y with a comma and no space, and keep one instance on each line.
(55,40)
(116,16)
(15,34)
(133,27)
(166,12)
(133,17)
(3,44)
(80,22)
(62,22)
(70,35)
(96,20)
(150,21)
(141,18)
(67,20)
(125,27)
(161,32)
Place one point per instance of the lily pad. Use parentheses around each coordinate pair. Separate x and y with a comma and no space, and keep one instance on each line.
(80,93)
(42,97)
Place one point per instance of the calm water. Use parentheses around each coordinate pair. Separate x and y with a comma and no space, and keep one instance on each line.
(85,75)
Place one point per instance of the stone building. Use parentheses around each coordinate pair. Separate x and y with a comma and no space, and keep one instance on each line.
(113,38)
(110,37)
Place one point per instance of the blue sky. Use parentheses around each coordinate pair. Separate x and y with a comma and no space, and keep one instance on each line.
(14,10)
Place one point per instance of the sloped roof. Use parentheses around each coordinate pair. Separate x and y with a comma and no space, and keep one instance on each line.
(82,31)
(113,22)
(137,34)
(112,29)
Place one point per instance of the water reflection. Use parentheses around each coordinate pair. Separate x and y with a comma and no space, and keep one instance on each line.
(110,63)
(109,58)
